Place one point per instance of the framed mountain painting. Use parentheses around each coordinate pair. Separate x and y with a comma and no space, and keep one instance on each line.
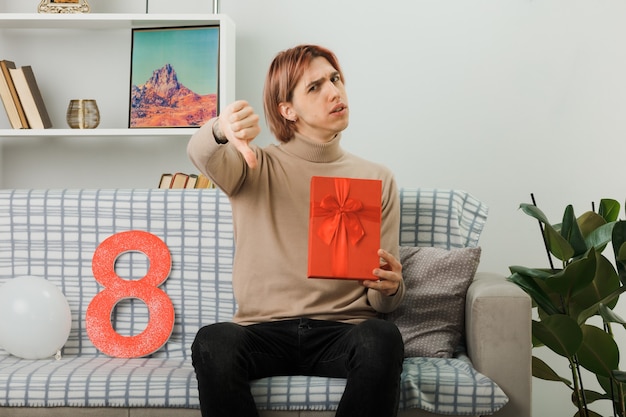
(174,76)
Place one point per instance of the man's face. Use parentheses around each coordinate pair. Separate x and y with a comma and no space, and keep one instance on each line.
(319,105)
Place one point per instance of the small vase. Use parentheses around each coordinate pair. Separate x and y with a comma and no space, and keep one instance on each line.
(83,114)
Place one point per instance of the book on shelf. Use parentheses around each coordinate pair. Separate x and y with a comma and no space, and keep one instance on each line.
(179,180)
(166,181)
(9,97)
(30,97)
(183,180)
(204,182)
(192,180)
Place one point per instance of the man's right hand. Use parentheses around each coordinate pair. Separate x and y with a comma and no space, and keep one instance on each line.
(240,125)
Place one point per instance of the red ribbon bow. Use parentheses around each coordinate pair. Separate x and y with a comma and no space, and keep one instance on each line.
(341,222)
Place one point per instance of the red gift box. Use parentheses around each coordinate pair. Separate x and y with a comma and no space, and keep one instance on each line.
(344,228)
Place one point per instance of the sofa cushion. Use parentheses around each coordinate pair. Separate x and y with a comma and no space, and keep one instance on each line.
(440,218)
(98,381)
(457,389)
(442,386)
(430,317)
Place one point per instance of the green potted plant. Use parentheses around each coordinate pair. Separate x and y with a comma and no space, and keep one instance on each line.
(574,302)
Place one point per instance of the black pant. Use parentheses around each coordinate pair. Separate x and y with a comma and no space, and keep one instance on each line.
(227,356)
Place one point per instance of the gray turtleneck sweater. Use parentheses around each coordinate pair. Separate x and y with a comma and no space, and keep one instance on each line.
(271,215)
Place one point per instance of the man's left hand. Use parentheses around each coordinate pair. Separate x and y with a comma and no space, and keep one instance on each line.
(389,275)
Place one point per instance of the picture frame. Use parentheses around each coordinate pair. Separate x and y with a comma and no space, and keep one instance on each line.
(174,76)
(63,6)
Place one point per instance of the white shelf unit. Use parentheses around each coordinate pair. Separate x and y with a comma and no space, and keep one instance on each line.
(88,56)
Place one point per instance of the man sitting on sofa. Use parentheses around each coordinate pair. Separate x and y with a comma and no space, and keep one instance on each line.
(286,323)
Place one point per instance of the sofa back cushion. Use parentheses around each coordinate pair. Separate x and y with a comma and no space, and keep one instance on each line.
(441,218)
(53,234)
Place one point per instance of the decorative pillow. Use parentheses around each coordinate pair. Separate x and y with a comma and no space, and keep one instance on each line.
(431,317)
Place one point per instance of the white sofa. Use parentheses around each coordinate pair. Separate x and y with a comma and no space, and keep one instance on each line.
(54,233)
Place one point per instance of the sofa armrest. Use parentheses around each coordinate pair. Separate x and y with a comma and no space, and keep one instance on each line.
(498,336)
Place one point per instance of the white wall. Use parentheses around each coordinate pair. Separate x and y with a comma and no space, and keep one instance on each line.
(500,98)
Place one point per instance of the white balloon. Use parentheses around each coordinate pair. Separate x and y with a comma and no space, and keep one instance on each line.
(35,317)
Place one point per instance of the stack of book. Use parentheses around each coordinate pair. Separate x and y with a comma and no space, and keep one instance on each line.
(21,97)
(182,180)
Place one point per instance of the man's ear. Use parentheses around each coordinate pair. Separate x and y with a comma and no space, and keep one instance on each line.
(287,112)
